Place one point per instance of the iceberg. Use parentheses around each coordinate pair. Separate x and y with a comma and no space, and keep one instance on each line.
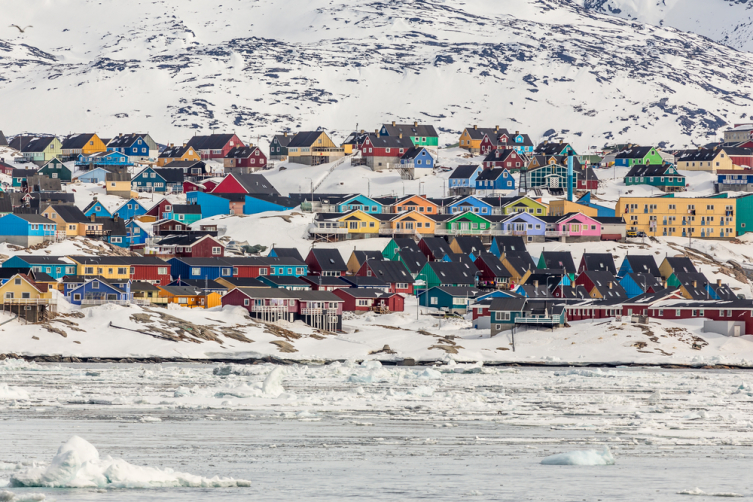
(77,464)
(8,393)
(587,457)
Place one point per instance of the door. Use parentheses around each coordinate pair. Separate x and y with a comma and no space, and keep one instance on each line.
(736,330)
(554,182)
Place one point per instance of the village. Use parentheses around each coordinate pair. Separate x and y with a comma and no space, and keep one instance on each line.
(157,217)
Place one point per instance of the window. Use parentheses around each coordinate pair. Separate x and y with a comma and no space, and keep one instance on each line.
(195,271)
(88,270)
(225,272)
(95,285)
(216,250)
(434,300)
(678,312)
(77,297)
(262,271)
(116,240)
(182,300)
(245,302)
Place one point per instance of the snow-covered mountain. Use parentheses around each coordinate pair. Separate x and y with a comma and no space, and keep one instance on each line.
(179,67)
(729,22)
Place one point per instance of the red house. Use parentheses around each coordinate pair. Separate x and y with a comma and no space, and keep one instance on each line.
(592,278)
(245,184)
(493,273)
(6,168)
(248,266)
(509,159)
(249,157)
(715,310)
(149,269)
(190,246)
(367,299)
(167,227)
(214,146)
(195,186)
(392,272)
(159,209)
(318,309)
(326,262)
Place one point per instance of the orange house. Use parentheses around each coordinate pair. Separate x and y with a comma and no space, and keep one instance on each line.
(412,222)
(416,203)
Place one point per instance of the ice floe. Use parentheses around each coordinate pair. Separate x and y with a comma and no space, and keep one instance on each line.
(8,393)
(587,457)
(77,464)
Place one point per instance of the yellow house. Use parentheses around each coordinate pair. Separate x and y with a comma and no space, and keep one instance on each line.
(706,160)
(701,217)
(174,153)
(188,296)
(86,144)
(526,205)
(563,207)
(358,222)
(119,184)
(73,221)
(21,287)
(313,148)
(471,137)
(108,267)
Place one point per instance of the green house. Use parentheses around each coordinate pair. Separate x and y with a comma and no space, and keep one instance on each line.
(662,176)
(55,169)
(525,205)
(744,214)
(42,149)
(638,155)
(465,223)
(448,274)
(419,134)
(278,147)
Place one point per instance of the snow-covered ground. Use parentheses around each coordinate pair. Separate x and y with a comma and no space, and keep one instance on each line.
(347,431)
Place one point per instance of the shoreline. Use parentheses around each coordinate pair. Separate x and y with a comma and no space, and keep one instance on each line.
(325,362)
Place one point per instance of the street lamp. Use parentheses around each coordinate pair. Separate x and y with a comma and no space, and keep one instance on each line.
(419,186)
(443,189)
(312,192)
(369,182)
(547,282)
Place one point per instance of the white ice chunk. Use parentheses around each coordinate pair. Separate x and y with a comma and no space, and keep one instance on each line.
(78,465)
(8,393)
(6,496)
(587,457)
(698,491)
(273,384)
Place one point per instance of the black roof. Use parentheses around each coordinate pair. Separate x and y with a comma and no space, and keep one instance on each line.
(454,273)
(391,271)
(494,265)
(77,141)
(283,139)
(24,173)
(116,226)
(287,261)
(390,141)
(599,261)
(242,152)
(211,142)
(406,243)
(304,138)
(172,174)
(470,244)
(360,281)
(578,291)
(245,282)
(288,253)
(637,152)
(3,140)
(646,280)
(38,144)
(174,152)
(286,280)
(186,208)
(508,304)
(492,132)
(255,184)
(329,259)
(465,171)
(643,264)
(413,152)
(681,264)
(511,246)
(413,260)
(548,148)
(124,141)
(362,256)
(325,280)
(645,170)
(411,130)
(491,174)
(70,214)
(559,259)
(437,246)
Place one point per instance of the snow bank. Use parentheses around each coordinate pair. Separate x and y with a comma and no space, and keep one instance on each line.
(6,496)
(78,465)
(7,393)
(588,457)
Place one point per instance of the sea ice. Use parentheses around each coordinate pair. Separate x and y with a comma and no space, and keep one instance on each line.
(6,496)
(587,457)
(8,393)
(77,464)
(698,491)
(273,384)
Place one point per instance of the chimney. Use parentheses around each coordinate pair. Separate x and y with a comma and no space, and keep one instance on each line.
(496,128)
(376,131)
(94,199)
(700,148)
(695,284)
(535,284)
(171,145)
(610,284)
(718,283)
(115,218)
(393,123)
(285,134)
(184,145)
(415,123)
(362,131)
(120,134)
(517,132)
(546,142)
(93,216)
(475,127)
(560,142)
(401,135)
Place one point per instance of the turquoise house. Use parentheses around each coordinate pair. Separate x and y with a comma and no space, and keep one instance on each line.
(362,203)
(184,213)
(53,266)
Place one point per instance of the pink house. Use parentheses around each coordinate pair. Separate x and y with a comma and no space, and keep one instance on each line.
(579,225)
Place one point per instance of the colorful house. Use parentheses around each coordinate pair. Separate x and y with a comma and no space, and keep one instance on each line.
(102,159)
(149,180)
(184,213)
(249,184)
(23,296)
(449,298)
(644,155)
(82,144)
(662,176)
(98,292)
(96,208)
(506,159)
(416,162)
(55,169)
(361,203)
(384,152)
(421,135)
(71,221)
(41,150)
(351,225)
(177,153)
(53,266)
(278,147)
(551,148)
(214,146)
(471,137)
(26,229)
(313,148)
(524,225)
(130,209)
(441,273)
(136,146)
(244,159)
(468,204)
(465,223)
(118,184)
(393,273)
(495,179)
(525,205)
(462,181)
(579,225)
(416,203)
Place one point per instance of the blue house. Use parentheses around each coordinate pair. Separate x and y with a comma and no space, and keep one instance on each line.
(636,284)
(94,176)
(638,264)
(362,203)
(469,204)
(130,209)
(495,179)
(261,203)
(521,143)
(149,180)
(99,291)
(132,145)
(53,266)
(287,267)
(463,178)
(137,232)
(419,159)
(96,208)
(26,229)
(103,159)
(212,205)
(199,268)
(585,200)
(452,299)
(524,224)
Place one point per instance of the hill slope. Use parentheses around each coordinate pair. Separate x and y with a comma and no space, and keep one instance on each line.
(542,66)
